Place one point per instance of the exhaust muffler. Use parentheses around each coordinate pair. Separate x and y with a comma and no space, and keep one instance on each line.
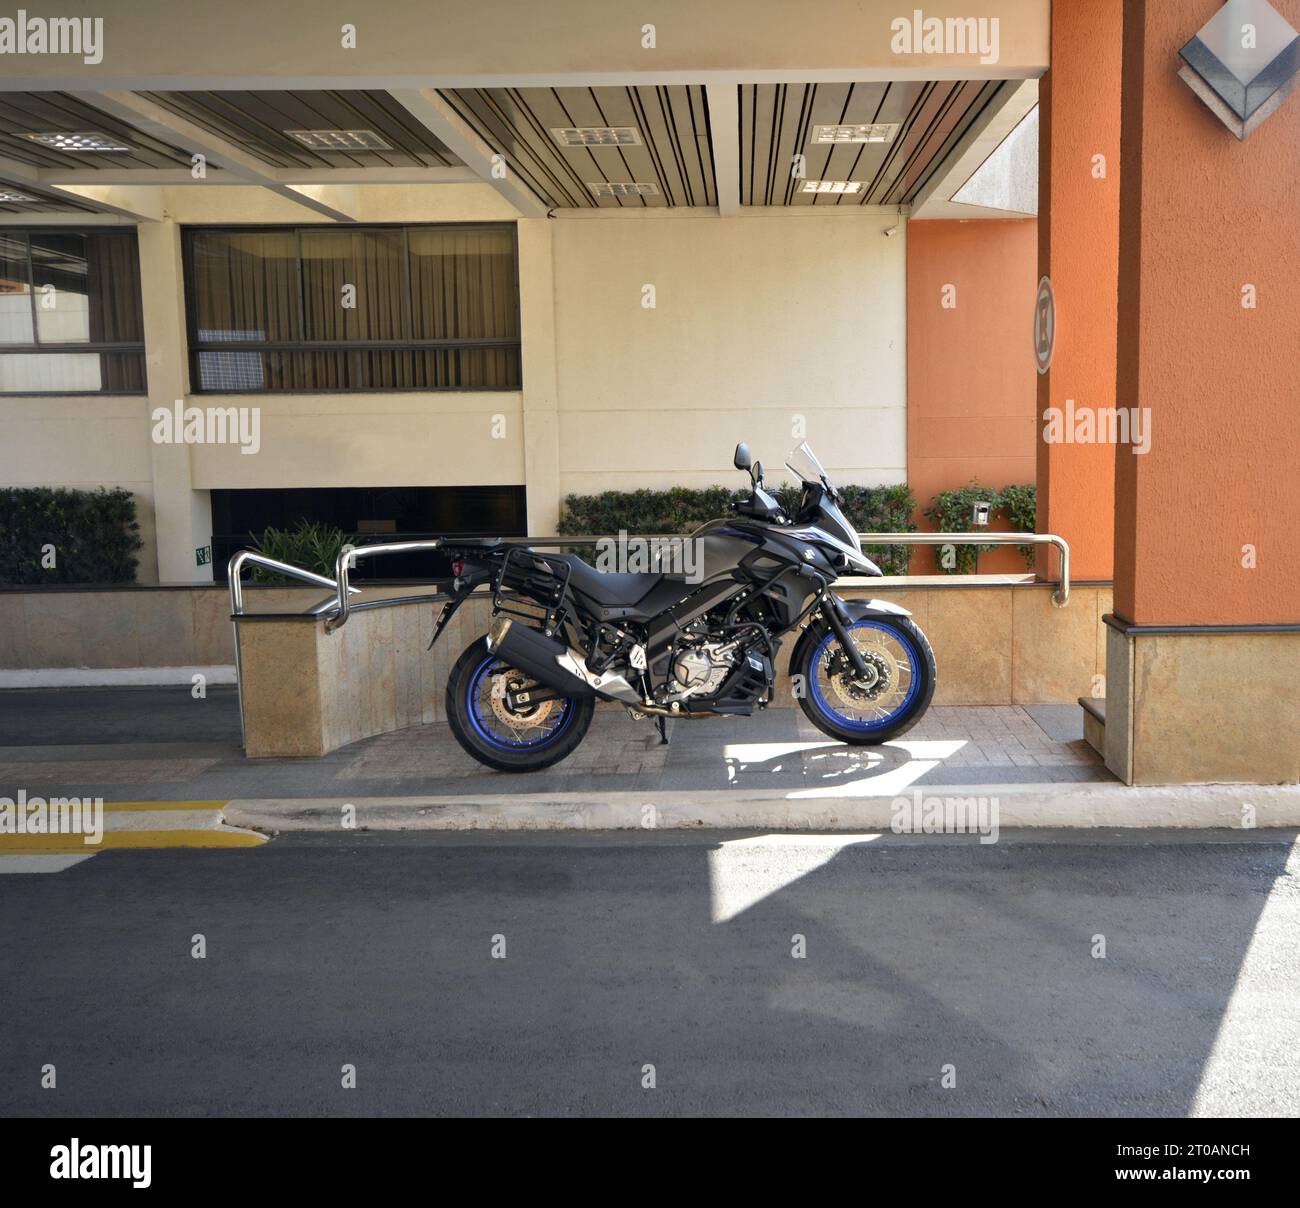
(554,664)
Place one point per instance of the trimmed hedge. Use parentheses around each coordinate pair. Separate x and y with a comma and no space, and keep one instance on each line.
(683,509)
(94,534)
(951,512)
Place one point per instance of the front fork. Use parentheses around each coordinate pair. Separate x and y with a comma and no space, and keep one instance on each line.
(838,620)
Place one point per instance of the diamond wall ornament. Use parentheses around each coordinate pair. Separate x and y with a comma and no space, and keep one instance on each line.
(1242,63)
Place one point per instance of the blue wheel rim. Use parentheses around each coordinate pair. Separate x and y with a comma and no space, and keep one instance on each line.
(863,725)
(485,721)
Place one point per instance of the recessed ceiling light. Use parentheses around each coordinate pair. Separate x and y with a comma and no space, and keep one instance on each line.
(8,198)
(867,132)
(832,186)
(340,140)
(602,188)
(82,140)
(596,136)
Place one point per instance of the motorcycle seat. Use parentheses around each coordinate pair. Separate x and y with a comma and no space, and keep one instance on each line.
(606,588)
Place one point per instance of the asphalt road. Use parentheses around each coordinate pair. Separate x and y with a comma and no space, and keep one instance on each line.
(671,950)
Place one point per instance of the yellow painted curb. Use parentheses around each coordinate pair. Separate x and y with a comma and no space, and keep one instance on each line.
(27,845)
(133,806)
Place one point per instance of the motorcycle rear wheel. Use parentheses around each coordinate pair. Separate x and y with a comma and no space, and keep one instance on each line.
(506,740)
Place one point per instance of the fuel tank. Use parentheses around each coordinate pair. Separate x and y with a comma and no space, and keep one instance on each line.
(724,544)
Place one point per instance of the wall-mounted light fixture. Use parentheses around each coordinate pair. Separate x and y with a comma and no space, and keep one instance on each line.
(1242,63)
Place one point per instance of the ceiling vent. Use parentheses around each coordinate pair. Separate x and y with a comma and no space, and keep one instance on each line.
(83,140)
(340,140)
(603,188)
(869,132)
(831,186)
(596,136)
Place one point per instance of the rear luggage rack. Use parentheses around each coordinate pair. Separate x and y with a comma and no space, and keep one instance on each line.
(537,583)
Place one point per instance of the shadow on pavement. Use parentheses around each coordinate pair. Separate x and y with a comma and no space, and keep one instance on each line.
(668,950)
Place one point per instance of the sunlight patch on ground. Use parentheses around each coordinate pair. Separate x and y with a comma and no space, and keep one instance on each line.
(1242,1066)
(743,872)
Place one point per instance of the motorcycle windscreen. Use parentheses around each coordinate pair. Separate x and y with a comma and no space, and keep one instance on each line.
(804,462)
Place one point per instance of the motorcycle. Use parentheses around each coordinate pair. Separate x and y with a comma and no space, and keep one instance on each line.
(565,634)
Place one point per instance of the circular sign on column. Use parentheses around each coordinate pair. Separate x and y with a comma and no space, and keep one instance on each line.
(1044,325)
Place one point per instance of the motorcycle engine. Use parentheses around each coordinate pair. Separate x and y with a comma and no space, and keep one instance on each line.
(700,669)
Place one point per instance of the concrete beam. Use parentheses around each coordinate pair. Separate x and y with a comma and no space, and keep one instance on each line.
(406,44)
(140,203)
(446,125)
(133,203)
(724,130)
(151,118)
(455,175)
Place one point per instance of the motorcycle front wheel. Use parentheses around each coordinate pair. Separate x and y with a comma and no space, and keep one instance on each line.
(510,740)
(885,703)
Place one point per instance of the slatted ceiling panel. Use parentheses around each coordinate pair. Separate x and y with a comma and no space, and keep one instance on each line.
(674,153)
(895,103)
(505,123)
(777,120)
(37,112)
(257,121)
(966,101)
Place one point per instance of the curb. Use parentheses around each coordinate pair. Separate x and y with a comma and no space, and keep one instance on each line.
(115,677)
(1016,805)
(130,825)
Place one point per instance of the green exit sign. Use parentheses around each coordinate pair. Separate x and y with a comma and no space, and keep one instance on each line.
(203,555)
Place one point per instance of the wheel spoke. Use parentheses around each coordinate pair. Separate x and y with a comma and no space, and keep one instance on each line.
(871,701)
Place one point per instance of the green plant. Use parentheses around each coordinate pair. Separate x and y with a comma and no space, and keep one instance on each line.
(57,535)
(683,509)
(312,546)
(952,510)
(1020,502)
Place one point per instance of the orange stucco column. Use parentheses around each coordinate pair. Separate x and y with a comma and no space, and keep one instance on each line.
(1078,249)
(1207,522)
(1203,652)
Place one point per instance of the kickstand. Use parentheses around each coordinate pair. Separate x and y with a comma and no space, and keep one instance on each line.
(661,724)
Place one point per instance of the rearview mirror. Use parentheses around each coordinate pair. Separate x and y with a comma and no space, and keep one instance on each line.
(743,459)
(756,473)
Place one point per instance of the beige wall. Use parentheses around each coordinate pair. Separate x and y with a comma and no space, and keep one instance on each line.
(439,438)
(760,323)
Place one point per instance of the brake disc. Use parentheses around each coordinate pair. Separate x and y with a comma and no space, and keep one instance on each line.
(518,719)
(854,690)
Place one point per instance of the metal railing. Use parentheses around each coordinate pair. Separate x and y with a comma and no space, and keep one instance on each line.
(235,583)
(1060,597)
(347,559)
(339,606)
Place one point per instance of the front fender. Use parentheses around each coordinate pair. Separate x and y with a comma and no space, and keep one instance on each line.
(856,610)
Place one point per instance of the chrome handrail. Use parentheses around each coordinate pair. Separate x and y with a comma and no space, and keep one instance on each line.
(347,558)
(235,584)
(1060,597)
(235,569)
